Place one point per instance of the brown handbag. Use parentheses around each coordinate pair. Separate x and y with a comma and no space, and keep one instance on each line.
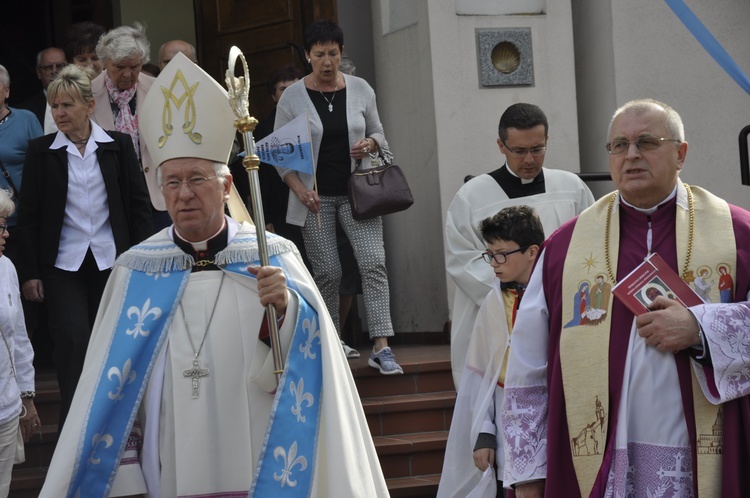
(378,191)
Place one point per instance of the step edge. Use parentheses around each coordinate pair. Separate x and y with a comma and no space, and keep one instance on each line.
(409,402)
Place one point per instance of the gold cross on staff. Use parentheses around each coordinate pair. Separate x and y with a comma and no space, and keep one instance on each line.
(195,374)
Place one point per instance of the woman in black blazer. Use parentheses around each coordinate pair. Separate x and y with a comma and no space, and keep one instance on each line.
(84,202)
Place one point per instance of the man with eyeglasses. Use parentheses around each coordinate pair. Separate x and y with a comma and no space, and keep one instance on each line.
(619,405)
(178,395)
(556,195)
(49,62)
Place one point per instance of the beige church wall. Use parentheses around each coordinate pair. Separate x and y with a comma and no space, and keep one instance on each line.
(164,19)
(355,19)
(636,49)
(444,125)
(406,103)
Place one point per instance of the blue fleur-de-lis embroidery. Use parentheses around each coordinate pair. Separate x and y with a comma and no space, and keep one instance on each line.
(124,376)
(140,317)
(157,274)
(310,327)
(300,397)
(100,441)
(291,460)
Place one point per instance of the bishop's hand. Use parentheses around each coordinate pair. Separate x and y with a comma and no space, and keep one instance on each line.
(272,287)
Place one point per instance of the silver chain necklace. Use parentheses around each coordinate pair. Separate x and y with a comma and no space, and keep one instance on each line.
(196,372)
(330,102)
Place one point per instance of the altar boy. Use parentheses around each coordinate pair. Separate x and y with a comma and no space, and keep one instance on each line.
(473,456)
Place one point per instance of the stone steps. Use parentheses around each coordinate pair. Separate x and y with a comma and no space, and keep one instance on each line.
(408,415)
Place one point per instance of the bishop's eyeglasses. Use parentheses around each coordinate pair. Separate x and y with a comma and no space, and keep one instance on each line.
(192,183)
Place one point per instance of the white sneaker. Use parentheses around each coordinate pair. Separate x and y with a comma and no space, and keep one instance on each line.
(349,352)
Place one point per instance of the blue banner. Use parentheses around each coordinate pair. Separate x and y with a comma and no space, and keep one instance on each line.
(289,147)
(711,44)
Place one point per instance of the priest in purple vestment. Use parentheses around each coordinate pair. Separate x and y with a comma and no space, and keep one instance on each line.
(600,402)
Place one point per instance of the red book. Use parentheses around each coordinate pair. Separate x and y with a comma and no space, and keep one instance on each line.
(653,278)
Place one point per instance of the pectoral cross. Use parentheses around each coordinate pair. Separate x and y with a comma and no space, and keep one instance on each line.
(195,374)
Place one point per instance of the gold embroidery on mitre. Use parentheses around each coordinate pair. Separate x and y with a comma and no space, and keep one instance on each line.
(190,111)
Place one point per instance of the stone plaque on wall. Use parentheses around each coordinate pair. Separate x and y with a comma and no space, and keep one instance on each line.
(504,57)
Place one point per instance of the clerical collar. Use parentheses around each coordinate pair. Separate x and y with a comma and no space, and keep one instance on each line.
(514,186)
(518,287)
(204,252)
(651,210)
(524,181)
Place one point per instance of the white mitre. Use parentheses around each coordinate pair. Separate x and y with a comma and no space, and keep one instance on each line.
(186,114)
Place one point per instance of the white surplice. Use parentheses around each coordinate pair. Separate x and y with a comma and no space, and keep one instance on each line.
(478,404)
(565,197)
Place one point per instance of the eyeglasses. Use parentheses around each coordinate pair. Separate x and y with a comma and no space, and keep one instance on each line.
(3,228)
(500,257)
(521,152)
(192,183)
(52,67)
(643,144)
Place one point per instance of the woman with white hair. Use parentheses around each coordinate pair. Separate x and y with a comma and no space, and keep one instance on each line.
(123,51)
(16,356)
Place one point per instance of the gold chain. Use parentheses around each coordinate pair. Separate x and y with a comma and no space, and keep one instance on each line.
(691,226)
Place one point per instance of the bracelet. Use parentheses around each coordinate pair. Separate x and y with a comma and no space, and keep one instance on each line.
(700,336)
(28,395)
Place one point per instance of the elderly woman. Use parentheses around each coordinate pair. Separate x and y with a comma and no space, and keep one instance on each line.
(80,45)
(123,51)
(345,129)
(16,356)
(84,202)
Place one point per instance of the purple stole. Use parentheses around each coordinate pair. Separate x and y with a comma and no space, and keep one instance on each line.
(561,474)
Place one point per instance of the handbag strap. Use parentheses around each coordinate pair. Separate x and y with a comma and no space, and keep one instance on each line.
(9,179)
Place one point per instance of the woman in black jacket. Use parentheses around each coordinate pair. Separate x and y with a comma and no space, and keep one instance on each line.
(84,202)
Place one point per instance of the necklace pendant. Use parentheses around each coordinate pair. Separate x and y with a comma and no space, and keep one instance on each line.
(330,107)
(195,373)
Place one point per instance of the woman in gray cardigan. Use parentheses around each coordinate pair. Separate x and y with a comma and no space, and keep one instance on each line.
(345,128)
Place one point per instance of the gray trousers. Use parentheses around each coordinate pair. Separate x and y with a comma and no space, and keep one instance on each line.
(366,237)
